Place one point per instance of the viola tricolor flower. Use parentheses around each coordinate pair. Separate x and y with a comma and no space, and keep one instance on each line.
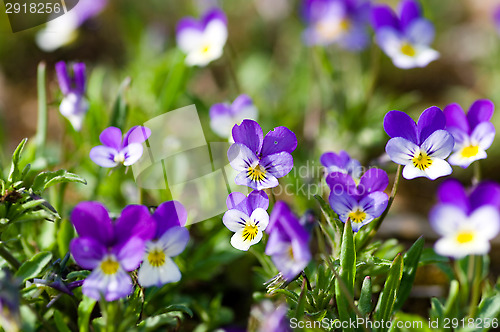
(202,41)
(342,163)
(421,148)
(110,249)
(466,222)
(337,21)
(288,243)
(115,151)
(74,106)
(224,116)
(473,133)
(361,203)
(261,160)
(405,39)
(247,217)
(170,240)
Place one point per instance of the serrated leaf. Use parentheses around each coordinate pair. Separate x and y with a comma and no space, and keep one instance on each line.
(34,266)
(14,174)
(411,260)
(385,304)
(47,179)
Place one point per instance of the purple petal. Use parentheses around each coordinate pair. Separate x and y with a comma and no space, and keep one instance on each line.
(400,150)
(249,133)
(399,124)
(91,219)
(240,103)
(446,218)
(80,77)
(452,192)
(167,215)
(278,164)
(374,179)
(455,117)
(103,156)
(420,32)
(282,218)
(63,77)
(480,111)
(221,109)
(486,193)
(410,10)
(111,137)
(174,241)
(214,14)
(257,199)
(375,203)
(189,34)
(235,199)
(130,253)
(134,221)
(483,135)
(329,159)
(342,203)
(430,120)
(383,16)
(136,134)
(87,252)
(279,139)
(341,183)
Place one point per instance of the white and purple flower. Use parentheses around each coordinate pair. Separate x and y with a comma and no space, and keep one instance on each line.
(360,203)
(466,222)
(74,105)
(473,133)
(337,21)
(202,41)
(224,116)
(116,151)
(261,160)
(247,217)
(170,240)
(110,249)
(405,39)
(288,243)
(421,148)
(342,163)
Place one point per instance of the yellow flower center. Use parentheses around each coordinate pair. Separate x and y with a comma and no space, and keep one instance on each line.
(250,232)
(256,173)
(156,258)
(109,266)
(290,252)
(119,158)
(421,160)
(407,49)
(465,237)
(357,216)
(205,49)
(330,30)
(470,151)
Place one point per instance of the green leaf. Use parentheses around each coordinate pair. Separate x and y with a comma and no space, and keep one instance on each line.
(416,322)
(34,266)
(64,236)
(365,299)
(437,309)
(78,274)
(411,260)
(385,305)
(347,275)
(47,179)
(120,107)
(155,322)
(301,304)
(451,306)
(60,324)
(14,174)
(180,308)
(489,307)
(84,311)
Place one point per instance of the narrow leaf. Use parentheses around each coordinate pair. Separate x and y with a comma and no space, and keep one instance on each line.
(14,174)
(84,311)
(385,305)
(34,266)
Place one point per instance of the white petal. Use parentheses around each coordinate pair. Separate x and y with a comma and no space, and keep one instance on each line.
(425,56)
(260,218)
(103,156)
(439,144)
(189,40)
(412,172)
(483,135)
(148,275)
(234,220)
(239,242)
(448,246)
(174,241)
(487,221)
(241,157)
(445,219)
(457,159)
(401,150)
(215,34)
(249,112)
(169,272)
(438,168)
(132,153)
(222,125)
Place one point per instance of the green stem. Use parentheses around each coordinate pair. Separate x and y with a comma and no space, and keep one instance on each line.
(476,284)
(41,133)
(9,258)
(232,72)
(476,177)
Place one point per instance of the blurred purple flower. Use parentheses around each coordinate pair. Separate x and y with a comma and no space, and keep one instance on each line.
(473,133)
(288,243)
(361,203)
(10,318)
(224,116)
(466,222)
(421,148)
(110,249)
(496,18)
(268,317)
(405,39)
(74,105)
(115,151)
(337,21)
(342,163)
(170,240)
(202,41)
(247,217)
(261,160)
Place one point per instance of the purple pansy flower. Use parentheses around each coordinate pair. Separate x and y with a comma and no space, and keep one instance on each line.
(288,243)
(110,249)
(337,21)
(361,203)
(268,317)
(405,39)
(224,116)
(247,217)
(421,148)
(170,240)
(202,41)
(115,151)
(466,222)
(342,163)
(261,160)
(74,106)
(473,133)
